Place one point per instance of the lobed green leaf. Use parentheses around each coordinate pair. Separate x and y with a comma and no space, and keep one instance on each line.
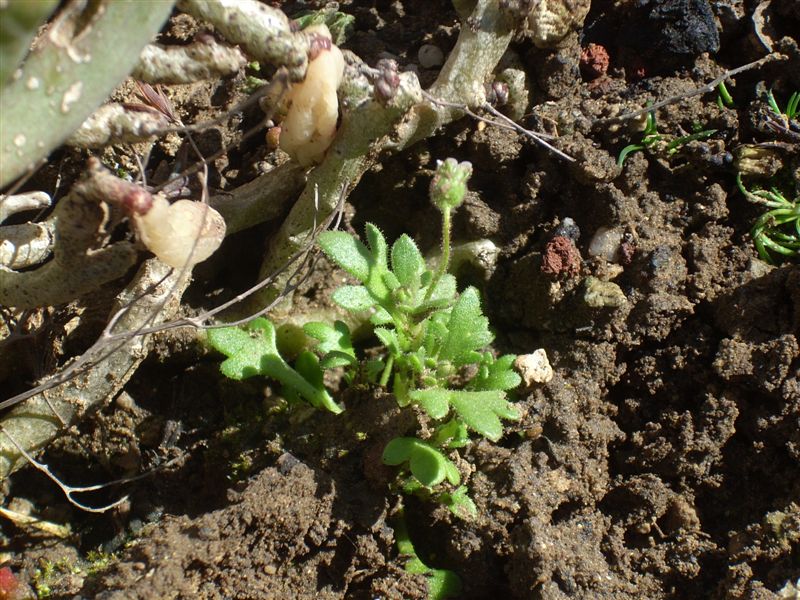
(435,401)
(497,374)
(332,339)
(482,411)
(253,351)
(468,330)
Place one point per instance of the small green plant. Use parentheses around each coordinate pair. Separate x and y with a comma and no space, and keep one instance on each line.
(776,231)
(651,139)
(253,351)
(792,107)
(724,97)
(434,342)
(431,335)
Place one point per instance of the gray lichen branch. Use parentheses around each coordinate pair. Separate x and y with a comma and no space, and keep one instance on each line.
(116,123)
(152,297)
(17,203)
(265,33)
(205,58)
(81,261)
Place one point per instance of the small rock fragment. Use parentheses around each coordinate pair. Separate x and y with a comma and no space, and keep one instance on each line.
(430,56)
(534,368)
(561,257)
(594,61)
(606,243)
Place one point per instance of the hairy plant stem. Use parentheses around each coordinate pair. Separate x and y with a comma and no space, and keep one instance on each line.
(444,262)
(387,371)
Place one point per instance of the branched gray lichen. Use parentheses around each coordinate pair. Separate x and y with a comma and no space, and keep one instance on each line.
(17,203)
(80,263)
(153,297)
(205,58)
(107,365)
(69,74)
(264,32)
(115,123)
(25,245)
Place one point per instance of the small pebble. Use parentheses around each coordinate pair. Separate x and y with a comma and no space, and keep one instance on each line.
(430,56)
(606,243)
(534,368)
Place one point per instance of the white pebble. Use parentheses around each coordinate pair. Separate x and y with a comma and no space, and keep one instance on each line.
(534,368)
(605,243)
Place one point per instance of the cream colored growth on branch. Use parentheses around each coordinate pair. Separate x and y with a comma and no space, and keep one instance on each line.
(310,124)
(180,234)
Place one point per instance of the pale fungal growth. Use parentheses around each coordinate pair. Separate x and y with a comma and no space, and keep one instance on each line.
(551,20)
(534,367)
(204,58)
(603,294)
(114,123)
(310,124)
(180,234)
(750,159)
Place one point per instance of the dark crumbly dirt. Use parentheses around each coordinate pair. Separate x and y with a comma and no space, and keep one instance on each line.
(661,462)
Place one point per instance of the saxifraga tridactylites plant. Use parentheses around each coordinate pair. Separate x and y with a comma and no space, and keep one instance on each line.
(431,336)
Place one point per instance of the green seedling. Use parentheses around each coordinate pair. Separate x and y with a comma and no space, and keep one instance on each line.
(724,97)
(253,351)
(792,107)
(431,334)
(341,25)
(651,137)
(432,337)
(776,231)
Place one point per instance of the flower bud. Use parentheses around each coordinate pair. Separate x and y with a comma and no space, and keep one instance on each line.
(449,184)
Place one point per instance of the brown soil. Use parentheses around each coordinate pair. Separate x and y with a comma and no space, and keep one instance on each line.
(661,462)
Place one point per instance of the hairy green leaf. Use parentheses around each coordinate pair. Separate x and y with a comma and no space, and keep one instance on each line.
(347,252)
(388,338)
(354,298)
(435,402)
(468,330)
(460,504)
(333,341)
(482,411)
(497,374)
(407,262)
(253,351)
(425,462)
(443,294)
